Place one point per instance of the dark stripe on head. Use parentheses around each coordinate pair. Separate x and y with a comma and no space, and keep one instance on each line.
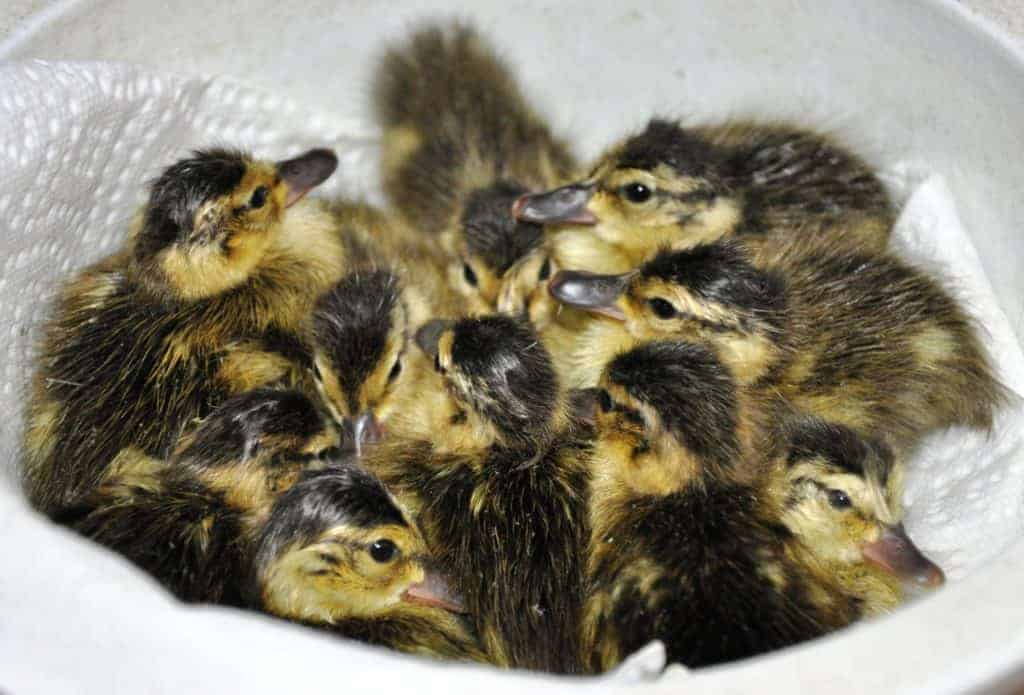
(178,193)
(513,381)
(352,322)
(841,447)
(720,272)
(338,495)
(666,142)
(692,392)
(490,230)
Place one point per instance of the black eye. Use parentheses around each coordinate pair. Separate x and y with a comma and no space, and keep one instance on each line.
(383,550)
(636,192)
(395,371)
(468,273)
(604,399)
(545,270)
(259,197)
(662,308)
(316,373)
(839,499)
(437,364)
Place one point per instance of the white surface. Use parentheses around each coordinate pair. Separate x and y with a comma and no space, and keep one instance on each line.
(910,81)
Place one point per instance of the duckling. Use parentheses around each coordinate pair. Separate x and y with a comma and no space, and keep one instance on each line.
(857,338)
(339,553)
(683,186)
(493,468)
(460,144)
(841,496)
(687,540)
(361,332)
(207,298)
(189,521)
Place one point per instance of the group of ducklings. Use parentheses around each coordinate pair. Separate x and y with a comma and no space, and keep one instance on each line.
(525,416)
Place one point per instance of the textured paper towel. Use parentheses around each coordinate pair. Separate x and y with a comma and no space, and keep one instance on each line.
(79,140)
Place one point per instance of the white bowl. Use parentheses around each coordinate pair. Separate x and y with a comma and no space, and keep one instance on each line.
(905,80)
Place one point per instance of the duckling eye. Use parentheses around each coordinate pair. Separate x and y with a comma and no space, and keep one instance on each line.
(662,308)
(636,192)
(437,364)
(545,270)
(839,499)
(259,197)
(383,550)
(468,274)
(395,371)
(316,373)
(604,399)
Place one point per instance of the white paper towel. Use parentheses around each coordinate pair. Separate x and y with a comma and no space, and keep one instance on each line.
(77,144)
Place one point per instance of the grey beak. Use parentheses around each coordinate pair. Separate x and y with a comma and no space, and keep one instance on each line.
(565,204)
(590,291)
(305,172)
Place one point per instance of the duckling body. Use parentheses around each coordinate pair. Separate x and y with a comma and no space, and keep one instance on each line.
(688,541)
(207,299)
(496,475)
(460,145)
(189,521)
(856,338)
(338,553)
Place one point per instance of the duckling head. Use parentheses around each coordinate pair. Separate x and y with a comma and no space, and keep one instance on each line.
(255,444)
(709,293)
(663,185)
(337,546)
(671,409)
(360,334)
(497,382)
(843,502)
(210,218)
(485,241)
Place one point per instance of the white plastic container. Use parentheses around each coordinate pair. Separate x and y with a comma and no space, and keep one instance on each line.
(904,80)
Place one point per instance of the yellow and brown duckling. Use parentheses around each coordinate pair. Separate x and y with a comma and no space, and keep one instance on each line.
(689,543)
(207,298)
(361,331)
(841,495)
(190,521)
(492,468)
(856,338)
(460,145)
(338,552)
(679,186)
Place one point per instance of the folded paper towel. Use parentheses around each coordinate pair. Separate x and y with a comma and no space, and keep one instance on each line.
(80,139)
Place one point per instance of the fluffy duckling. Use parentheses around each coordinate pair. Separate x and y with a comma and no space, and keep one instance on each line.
(460,145)
(361,331)
(670,185)
(339,553)
(673,184)
(189,521)
(856,338)
(492,468)
(207,299)
(841,496)
(688,543)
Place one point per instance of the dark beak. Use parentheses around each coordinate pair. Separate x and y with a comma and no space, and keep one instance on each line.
(896,553)
(566,204)
(362,430)
(434,591)
(429,334)
(305,172)
(596,293)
